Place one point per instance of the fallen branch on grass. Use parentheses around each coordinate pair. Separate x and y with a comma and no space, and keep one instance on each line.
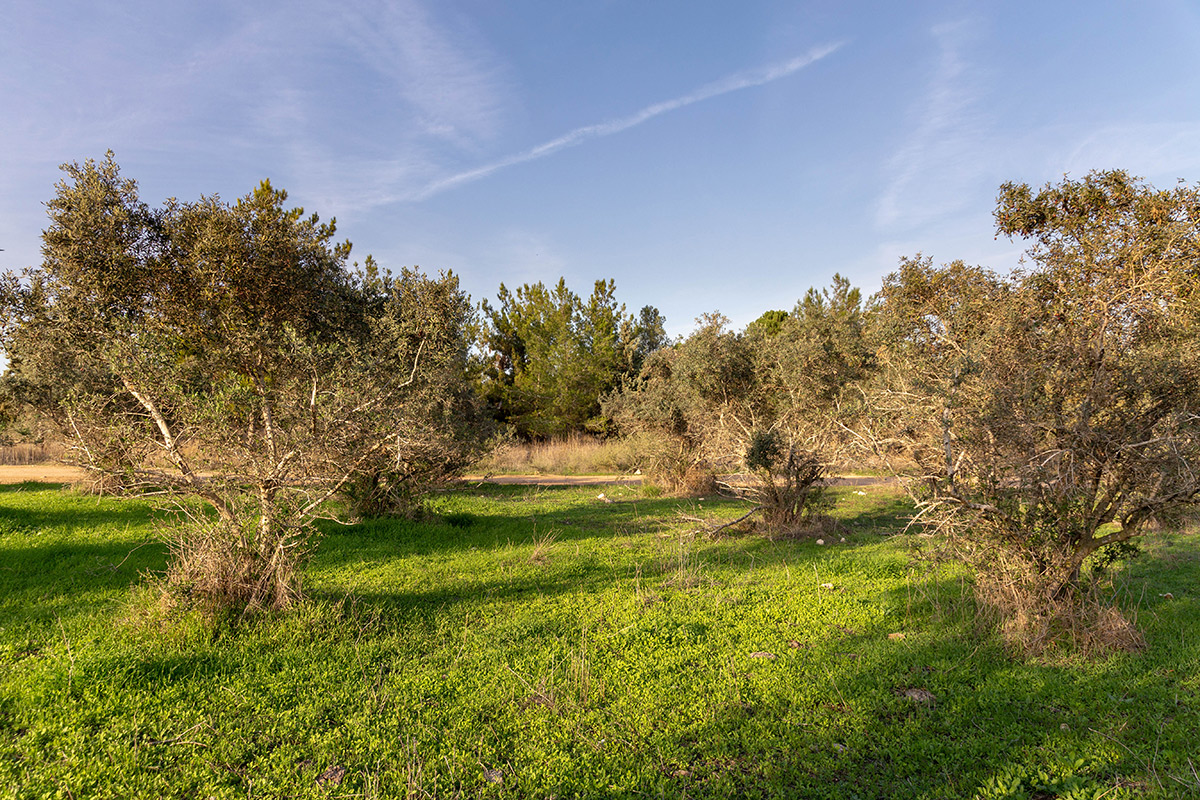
(710,531)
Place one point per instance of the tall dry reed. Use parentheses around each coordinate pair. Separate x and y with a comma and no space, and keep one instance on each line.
(22,454)
(575,454)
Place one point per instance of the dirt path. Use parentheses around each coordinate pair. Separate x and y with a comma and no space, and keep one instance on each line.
(636,480)
(43,473)
(556,480)
(60,473)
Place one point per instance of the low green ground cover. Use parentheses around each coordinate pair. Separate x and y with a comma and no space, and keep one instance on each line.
(541,642)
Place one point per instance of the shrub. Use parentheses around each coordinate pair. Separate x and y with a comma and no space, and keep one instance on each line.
(788,482)
(227,354)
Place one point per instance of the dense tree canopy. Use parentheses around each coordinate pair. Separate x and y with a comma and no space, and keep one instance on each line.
(226,352)
(776,388)
(681,399)
(1056,412)
(550,356)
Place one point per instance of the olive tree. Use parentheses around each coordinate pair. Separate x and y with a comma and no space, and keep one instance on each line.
(225,352)
(769,400)
(688,404)
(1055,412)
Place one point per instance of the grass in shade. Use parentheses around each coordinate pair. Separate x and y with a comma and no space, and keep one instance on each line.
(542,642)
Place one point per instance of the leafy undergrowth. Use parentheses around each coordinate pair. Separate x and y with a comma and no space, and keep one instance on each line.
(541,642)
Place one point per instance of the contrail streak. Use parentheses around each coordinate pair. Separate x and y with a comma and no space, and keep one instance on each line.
(733,83)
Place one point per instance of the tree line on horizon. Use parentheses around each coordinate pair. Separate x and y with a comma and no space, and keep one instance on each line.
(231,352)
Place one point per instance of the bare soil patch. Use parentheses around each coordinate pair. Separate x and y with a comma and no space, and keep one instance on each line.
(61,473)
(45,473)
(636,480)
(556,480)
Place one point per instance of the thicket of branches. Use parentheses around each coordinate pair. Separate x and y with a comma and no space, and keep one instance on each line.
(1043,420)
(1054,414)
(225,352)
(771,401)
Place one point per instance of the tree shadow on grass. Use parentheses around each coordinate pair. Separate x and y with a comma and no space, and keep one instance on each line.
(59,570)
(580,579)
(66,578)
(934,714)
(610,541)
(513,583)
(30,486)
(457,530)
(67,511)
(889,517)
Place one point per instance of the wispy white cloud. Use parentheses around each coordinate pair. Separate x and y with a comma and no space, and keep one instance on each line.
(378,76)
(926,177)
(443,73)
(1160,151)
(732,83)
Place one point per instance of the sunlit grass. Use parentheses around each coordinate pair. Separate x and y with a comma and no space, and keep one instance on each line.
(537,642)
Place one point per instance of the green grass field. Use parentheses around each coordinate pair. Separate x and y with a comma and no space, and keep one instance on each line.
(538,642)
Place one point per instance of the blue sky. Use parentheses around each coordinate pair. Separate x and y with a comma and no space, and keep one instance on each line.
(707,156)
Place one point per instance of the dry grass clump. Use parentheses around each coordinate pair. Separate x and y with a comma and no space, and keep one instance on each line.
(24,454)
(542,546)
(812,526)
(218,569)
(1030,590)
(673,465)
(1036,622)
(690,480)
(575,454)
(669,467)
(697,480)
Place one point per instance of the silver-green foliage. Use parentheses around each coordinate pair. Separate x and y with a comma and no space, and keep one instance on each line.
(1056,411)
(227,352)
